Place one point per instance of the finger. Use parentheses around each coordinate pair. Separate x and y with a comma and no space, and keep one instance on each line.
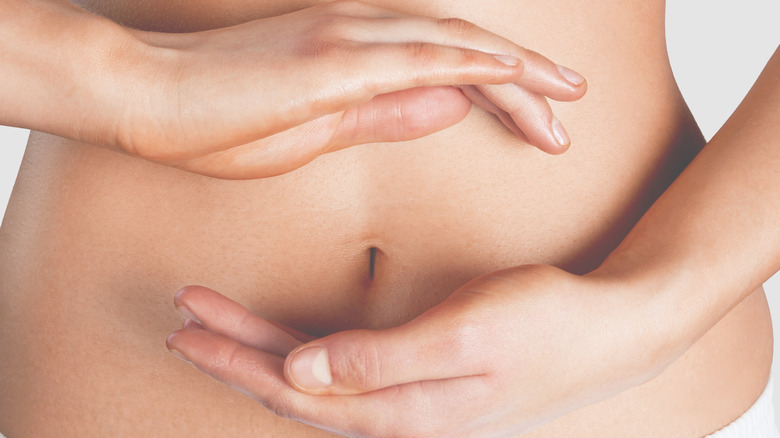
(354,76)
(483,102)
(443,343)
(404,115)
(555,81)
(376,69)
(401,116)
(532,114)
(233,363)
(222,315)
(391,412)
(541,75)
(270,156)
(347,74)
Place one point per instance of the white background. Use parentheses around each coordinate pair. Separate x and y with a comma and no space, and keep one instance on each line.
(717,49)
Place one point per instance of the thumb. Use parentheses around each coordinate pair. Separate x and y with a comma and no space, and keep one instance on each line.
(438,345)
(400,116)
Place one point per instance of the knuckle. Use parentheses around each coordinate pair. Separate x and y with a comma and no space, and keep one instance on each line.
(340,28)
(320,47)
(457,26)
(421,53)
(461,339)
(279,409)
(279,405)
(468,57)
(530,57)
(359,367)
(242,322)
(328,28)
(331,36)
(230,358)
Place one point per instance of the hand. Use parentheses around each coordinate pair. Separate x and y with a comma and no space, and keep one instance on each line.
(502,355)
(267,96)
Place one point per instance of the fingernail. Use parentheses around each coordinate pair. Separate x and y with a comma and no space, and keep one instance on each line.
(573,77)
(508,60)
(310,368)
(191,324)
(559,133)
(184,310)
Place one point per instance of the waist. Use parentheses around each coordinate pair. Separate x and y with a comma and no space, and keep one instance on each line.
(94,245)
(366,237)
(377,224)
(372,224)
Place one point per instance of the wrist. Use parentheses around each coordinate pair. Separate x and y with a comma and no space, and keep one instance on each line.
(664,306)
(112,77)
(70,72)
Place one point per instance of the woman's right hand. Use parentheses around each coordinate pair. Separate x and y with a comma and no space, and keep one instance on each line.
(265,97)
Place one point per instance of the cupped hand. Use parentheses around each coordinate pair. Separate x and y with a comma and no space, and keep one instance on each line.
(502,355)
(268,96)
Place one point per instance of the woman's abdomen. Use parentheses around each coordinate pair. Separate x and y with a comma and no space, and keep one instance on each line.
(95,244)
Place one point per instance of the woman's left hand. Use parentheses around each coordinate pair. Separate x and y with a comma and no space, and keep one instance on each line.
(504,354)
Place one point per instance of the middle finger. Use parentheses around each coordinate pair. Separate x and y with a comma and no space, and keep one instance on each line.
(224,316)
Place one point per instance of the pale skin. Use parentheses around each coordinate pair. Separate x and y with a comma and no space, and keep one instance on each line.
(249,352)
(452,353)
(183,80)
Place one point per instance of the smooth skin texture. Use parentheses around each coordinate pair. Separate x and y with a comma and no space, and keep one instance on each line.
(115,235)
(219,103)
(450,367)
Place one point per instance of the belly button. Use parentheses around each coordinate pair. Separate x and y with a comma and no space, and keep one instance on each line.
(373,255)
(371,262)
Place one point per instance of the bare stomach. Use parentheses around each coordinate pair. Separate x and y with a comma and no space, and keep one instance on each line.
(94,245)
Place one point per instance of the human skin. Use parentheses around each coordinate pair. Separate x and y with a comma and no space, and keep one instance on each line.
(220,104)
(438,212)
(643,312)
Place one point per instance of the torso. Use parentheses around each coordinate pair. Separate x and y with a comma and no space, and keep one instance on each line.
(94,243)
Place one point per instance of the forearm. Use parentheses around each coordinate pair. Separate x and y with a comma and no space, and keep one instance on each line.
(714,235)
(63,66)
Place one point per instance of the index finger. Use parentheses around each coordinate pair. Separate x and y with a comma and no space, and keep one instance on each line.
(540,75)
